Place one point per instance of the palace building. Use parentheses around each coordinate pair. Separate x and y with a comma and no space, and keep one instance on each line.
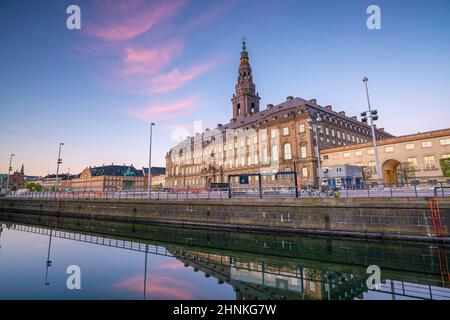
(106,178)
(276,139)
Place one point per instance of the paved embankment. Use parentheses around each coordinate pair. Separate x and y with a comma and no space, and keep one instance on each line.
(371,218)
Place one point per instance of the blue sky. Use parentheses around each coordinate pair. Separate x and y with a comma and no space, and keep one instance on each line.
(175,62)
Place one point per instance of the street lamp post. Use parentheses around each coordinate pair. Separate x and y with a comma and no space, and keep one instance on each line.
(57,166)
(9,171)
(315,127)
(48,262)
(150,163)
(373,116)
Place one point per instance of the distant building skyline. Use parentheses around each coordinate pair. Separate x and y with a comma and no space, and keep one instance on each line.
(173,62)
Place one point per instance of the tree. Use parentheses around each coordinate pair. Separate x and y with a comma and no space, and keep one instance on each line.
(367,173)
(445,167)
(406,171)
(32,186)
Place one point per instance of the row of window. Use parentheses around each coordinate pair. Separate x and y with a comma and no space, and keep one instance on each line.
(251,159)
(389,149)
(429,163)
(273,134)
(334,133)
(201,180)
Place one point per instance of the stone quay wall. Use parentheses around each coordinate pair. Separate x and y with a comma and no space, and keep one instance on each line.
(370,218)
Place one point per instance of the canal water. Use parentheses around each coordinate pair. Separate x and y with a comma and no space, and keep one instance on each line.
(134,261)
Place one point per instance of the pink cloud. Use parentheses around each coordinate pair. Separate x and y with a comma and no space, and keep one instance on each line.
(164,111)
(150,61)
(212,12)
(124,20)
(175,79)
(158,286)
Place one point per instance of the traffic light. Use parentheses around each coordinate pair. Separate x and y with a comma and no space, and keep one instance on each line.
(374,112)
(363,114)
(364,119)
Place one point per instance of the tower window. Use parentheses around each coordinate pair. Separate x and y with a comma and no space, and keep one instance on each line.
(252,110)
(238,110)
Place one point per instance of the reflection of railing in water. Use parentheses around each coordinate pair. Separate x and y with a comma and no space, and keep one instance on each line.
(109,242)
(413,290)
(347,286)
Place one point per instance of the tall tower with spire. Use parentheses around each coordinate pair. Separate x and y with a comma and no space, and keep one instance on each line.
(245,100)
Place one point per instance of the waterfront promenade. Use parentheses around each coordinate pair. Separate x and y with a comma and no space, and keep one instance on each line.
(382,191)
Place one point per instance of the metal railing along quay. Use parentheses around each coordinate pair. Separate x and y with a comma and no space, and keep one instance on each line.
(441,189)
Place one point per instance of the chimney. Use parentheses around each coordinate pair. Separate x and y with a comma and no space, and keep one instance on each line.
(355,118)
(382,129)
(328,107)
(342,113)
(219,125)
(313,101)
(270,106)
(289,98)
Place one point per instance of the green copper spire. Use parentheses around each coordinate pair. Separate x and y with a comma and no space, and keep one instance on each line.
(244,53)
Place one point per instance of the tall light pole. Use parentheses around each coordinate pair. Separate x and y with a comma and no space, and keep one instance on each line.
(48,262)
(315,127)
(9,171)
(57,166)
(145,272)
(372,115)
(150,163)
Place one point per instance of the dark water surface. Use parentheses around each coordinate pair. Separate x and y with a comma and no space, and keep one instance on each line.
(132,261)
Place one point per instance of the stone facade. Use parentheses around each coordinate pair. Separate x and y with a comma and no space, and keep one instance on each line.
(273,140)
(409,158)
(107,178)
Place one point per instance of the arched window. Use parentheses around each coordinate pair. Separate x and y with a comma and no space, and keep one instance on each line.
(274,156)
(303,153)
(287,151)
(305,172)
(238,109)
(252,110)
(264,155)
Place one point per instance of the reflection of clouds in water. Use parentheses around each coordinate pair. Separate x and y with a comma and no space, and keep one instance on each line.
(35,246)
(172,265)
(158,286)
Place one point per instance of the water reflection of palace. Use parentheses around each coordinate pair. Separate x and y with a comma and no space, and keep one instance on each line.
(261,280)
(257,276)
